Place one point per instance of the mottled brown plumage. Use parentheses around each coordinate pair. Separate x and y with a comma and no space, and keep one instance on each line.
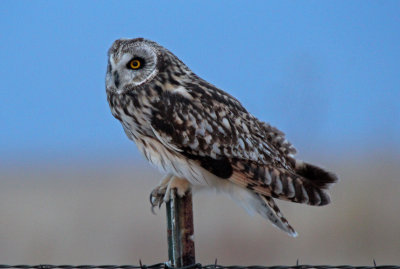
(192,130)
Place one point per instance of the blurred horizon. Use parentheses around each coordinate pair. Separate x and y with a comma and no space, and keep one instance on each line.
(74,189)
(100,214)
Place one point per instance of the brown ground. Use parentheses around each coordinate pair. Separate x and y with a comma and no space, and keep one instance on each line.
(100,214)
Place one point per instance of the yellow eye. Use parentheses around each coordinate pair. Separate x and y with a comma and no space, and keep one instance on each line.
(135,64)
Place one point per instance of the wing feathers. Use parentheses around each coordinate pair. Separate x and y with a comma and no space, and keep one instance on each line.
(283,184)
(270,210)
(261,204)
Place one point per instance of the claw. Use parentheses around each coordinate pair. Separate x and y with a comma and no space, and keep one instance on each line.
(162,193)
(153,203)
(157,195)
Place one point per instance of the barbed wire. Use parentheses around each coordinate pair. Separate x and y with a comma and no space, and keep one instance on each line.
(193,266)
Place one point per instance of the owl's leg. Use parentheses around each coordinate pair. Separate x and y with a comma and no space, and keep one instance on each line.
(180,184)
(162,193)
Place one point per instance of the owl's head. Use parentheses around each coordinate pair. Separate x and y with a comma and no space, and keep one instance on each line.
(131,62)
(134,62)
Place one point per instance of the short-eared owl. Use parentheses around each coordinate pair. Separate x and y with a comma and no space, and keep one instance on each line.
(202,137)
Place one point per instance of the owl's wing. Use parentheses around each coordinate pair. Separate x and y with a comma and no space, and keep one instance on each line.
(229,142)
(217,128)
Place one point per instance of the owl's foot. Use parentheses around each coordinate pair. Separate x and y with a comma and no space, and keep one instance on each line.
(158,193)
(162,193)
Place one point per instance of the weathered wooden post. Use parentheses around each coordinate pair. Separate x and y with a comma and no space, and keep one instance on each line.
(180,230)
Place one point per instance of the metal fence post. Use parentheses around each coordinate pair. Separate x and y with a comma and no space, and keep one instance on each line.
(180,230)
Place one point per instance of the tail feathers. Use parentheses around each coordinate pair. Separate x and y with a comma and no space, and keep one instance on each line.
(311,184)
(318,177)
(270,211)
(306,183)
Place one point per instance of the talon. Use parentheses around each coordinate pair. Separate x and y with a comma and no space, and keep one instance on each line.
(153,201)
(157,195)
(162,193)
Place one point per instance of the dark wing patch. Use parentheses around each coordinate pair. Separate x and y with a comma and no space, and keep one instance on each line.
(220,167)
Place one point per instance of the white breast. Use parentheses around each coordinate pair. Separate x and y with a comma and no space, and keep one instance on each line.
(171,162)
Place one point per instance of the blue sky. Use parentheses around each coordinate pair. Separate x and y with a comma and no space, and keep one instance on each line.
(327,73)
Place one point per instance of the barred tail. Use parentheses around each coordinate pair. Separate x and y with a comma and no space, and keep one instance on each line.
(316,182)
(306,183)
(318,176)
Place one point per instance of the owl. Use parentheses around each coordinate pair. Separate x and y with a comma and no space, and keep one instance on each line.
(203,138)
